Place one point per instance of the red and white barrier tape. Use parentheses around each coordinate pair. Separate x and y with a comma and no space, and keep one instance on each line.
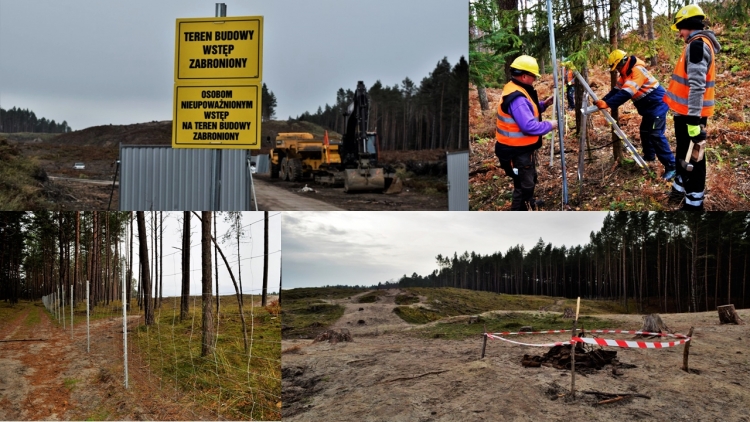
(635,332)
(505,333)
(600,341)
(627,343)
(557,343)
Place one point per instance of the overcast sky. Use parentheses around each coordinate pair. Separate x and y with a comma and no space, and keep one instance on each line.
(364,248)
(251,250)
(99,62)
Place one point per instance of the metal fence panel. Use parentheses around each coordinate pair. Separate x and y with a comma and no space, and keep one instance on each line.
(458,181)
(161,178)
(262,163)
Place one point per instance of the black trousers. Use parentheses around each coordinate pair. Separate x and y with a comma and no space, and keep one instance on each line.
(522,168)
(691,183)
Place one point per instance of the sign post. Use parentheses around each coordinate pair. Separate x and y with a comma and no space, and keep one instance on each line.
(218,86)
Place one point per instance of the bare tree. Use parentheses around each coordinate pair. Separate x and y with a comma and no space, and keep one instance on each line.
(264,297)
(145,271)
(208,328)
(185,266)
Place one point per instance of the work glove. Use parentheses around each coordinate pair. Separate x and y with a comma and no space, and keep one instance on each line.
(548,102)
(696,133)
(602,104)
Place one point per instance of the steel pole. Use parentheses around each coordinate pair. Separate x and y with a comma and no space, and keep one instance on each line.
(125,333)
(559,109)
(221,11)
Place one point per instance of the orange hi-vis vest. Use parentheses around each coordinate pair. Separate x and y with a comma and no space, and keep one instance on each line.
(639,82)
(679,88)
(508,132)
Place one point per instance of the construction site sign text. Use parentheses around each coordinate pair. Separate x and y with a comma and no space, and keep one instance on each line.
(216,116)
(219,48)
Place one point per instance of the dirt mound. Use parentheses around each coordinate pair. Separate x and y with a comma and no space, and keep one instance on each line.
(587,361)
(152,133)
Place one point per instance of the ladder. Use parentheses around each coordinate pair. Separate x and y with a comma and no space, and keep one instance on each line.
(628,145)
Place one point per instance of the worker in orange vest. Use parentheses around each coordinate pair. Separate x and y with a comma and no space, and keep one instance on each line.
(690,96)
(570,89)
(636,83)
(519,131)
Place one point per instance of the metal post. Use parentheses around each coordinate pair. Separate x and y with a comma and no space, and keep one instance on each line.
(628,146)
(125,333)
(252,186)
(559,109)
(71,312)
(221,11)
(88,333)
(581,148)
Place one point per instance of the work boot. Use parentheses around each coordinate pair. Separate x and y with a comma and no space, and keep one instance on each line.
(534,205)
(675,196)
(669,174)
(694,208)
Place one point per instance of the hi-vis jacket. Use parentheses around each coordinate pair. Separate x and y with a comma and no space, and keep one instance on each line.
(637,83)
(691,90)
(508,132)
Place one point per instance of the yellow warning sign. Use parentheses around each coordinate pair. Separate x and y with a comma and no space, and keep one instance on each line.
(219,48)
(212,115)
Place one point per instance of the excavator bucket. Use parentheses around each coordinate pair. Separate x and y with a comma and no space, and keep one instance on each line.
(360,180)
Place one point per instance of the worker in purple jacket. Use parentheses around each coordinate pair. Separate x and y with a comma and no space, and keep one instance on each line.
(519,131)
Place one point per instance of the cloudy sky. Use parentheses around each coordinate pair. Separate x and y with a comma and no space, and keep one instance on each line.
(94,62)
(350,248)
(251,245)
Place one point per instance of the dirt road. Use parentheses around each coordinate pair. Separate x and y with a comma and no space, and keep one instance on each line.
(407,200)
(273,198)
(400,377)
(55,379)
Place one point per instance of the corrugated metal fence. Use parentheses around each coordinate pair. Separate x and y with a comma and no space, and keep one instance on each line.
(458,181)
(160,178)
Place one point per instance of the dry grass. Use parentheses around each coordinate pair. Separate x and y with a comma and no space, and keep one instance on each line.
(228,381)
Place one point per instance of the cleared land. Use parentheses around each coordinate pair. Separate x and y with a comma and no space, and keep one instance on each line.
(399,371)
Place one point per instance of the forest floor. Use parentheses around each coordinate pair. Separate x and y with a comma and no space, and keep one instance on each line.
(55,379)
(608,185)
(393,371)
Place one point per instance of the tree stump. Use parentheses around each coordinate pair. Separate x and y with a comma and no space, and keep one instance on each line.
(652,323)
(728,315)
(334,336)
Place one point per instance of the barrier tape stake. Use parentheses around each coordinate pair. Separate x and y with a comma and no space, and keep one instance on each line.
(686,352)
(484,344)
(573,352)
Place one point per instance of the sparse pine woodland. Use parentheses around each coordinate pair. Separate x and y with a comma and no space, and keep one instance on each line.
(646,262)
(228,365)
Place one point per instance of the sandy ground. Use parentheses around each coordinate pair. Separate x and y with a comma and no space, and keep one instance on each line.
(56,379)
(398,377)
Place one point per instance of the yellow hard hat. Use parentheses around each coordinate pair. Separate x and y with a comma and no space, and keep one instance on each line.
(526,63)
(615,58)
(686,12)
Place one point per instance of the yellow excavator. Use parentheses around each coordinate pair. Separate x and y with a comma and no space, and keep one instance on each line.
(352,161)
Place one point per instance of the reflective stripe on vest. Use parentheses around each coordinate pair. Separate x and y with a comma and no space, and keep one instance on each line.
(507,131)
(638,77)
(679,88)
